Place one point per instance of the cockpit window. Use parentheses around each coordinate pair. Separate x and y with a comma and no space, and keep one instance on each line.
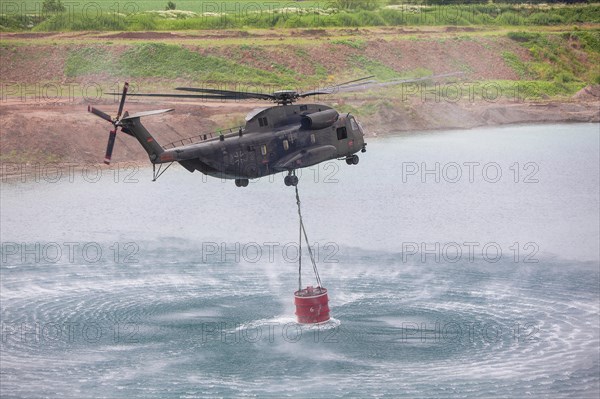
(354,124)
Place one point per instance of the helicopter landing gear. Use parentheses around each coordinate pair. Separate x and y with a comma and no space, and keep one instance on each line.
(352,160)
(291,179)
(241,182)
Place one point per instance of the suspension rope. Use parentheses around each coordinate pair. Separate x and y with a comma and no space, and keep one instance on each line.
(310,252)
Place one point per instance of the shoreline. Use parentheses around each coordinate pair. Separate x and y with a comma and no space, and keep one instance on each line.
(450,116)
(70,135)
(53,170)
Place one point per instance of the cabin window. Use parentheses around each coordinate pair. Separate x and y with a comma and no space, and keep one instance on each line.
(286,145)
(313,139)
(263,122)
(263,149)
(342,133)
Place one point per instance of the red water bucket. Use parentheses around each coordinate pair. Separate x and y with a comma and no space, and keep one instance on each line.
(312,305)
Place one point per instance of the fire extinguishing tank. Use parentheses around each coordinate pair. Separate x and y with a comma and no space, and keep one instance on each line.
(312,305)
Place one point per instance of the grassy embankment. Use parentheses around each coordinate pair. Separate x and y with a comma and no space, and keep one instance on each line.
(107,15)
(557,65)
(560,45)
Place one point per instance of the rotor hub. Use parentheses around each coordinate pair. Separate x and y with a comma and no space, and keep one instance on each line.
(285,97)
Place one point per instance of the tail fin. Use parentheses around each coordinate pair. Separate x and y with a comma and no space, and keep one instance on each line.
(132,125)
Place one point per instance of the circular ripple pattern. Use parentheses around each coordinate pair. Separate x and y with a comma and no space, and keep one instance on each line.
(186,328)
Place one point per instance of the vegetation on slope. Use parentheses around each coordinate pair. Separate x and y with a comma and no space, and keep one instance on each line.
(544,64)
(229,14)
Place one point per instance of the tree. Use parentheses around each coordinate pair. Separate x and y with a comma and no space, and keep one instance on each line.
(53,6)
(170,6)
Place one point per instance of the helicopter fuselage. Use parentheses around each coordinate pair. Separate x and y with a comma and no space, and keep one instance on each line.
(274,139)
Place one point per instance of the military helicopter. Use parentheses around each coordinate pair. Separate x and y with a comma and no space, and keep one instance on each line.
(280,138)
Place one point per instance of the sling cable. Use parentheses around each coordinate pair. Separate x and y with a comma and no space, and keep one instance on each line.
(311,302)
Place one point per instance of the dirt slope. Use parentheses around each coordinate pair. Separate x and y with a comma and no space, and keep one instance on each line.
(35,129)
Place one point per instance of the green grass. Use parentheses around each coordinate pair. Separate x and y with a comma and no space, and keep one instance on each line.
(244,14)
(367,66)
(520,67)
(88,61)
(563,58)
(356,43)
(33,157)
(149,60)
(92,7)
(559,64)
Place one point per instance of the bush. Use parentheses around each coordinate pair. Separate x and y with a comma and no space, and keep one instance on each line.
(564,77)
(589,40)
(522,36)
(53,6)
(170,6)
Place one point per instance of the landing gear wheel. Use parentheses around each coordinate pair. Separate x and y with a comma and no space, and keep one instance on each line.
(291,180)
(352,160)
(241,182)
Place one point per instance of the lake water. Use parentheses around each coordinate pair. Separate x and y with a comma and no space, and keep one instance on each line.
(459,263)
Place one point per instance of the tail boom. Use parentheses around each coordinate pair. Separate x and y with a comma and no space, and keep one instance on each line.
(133,126)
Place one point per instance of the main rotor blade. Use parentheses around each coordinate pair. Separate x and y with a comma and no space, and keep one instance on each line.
(355,80)
(201,96)
(316,92)
(372,85)
(241,94)
(99,113)
(332,89)
(109,147)
(208,96)
(122,103)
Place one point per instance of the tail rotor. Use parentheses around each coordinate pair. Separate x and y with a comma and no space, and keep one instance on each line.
(112,135)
